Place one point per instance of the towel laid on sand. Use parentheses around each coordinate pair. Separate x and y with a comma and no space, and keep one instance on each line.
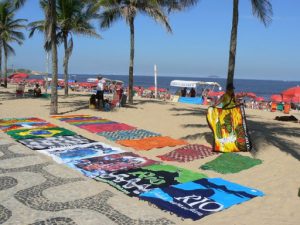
(230,163)
(128,134)
(139,180)
(152,142)
(39,133)
(188,153)
(197,199)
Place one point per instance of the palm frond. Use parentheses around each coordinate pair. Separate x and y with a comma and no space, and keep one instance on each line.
(263,10)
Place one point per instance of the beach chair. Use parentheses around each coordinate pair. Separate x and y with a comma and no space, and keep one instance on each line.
(273,107)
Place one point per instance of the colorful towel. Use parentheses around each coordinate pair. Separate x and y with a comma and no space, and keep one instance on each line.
(69,116)
(229,129)
(152,142)
(28,125)
(78,152)
(39,133)
(54,142)
(136,181)
(97,128)
(96,122)
(188,153)
(69,120)
(4,123)
(197,199)
(96,166)
(128,134)
(231,163)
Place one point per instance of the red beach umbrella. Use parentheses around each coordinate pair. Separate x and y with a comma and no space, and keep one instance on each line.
(276,98)
(19,76)
(245,94)
(296,99)
(294,91)
(259,99)
(162,90)
(152,88)
(215,93)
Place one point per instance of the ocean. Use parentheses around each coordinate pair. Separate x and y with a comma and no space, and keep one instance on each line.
(263,88)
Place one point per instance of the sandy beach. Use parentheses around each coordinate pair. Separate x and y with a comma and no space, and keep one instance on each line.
(275,143)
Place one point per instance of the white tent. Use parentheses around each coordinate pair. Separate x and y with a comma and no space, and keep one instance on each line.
(192,84)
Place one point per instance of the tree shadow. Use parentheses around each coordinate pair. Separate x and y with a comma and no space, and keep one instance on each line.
(75,106)
(189,111)
(261,134)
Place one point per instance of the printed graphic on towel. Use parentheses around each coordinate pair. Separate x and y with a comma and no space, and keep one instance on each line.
(54,142)
(96,166)
(136,181)
(68,154)
(200,198)
(39,133)
(27,125)
(5,123)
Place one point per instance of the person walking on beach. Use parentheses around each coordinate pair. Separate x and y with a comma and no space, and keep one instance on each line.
(100,91)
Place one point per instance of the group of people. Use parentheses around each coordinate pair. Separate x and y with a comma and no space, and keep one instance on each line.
(36,91)
(98,100)
(191,93)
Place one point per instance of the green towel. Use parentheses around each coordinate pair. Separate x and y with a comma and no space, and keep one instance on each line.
(39,133)
(231,163)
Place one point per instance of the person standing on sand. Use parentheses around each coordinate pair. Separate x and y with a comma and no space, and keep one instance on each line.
(100,91)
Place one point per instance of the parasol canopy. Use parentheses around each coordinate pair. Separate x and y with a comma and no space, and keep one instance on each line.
(291,92)
(245,94)
(19,76)
(215,93)
(259,99)
(276,98)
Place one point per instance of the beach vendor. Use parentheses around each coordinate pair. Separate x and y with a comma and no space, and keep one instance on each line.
(100,91)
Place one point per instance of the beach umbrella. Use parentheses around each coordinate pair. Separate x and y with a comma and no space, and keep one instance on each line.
(295,99)
(152,88)
(276,98)
(245,94)
(259,99)
(294,91)
(215,93)
(19,76)
(162,90)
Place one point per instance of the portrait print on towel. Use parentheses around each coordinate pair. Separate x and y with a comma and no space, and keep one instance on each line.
(197,199)
(39,133)
(54,142)
(77,152)
(133,182)
(96,166)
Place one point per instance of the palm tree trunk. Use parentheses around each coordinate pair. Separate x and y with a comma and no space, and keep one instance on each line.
(233,42)
(66,62)
(130,91)
(53,105)
(0,66)
(5,68)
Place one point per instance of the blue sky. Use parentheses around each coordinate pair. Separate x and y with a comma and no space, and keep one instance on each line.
(197,47)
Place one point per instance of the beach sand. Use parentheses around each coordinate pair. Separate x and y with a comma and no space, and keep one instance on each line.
(277,144)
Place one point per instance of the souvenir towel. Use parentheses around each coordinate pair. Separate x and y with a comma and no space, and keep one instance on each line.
(139,180)
(54,142)
(97,128)
(197,199)
(69,116)
(229,129)
(188,153)
(78,152)
(39,133)
(4,123)
(151,142)
(95,166)
(28,125)
(230,163)
(128,134)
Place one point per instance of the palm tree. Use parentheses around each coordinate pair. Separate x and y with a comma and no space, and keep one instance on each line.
(73,17)
(261,9)
(128,9)
(50,28)
(9,32)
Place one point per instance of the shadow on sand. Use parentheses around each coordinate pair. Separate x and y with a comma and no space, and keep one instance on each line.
(261,133)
